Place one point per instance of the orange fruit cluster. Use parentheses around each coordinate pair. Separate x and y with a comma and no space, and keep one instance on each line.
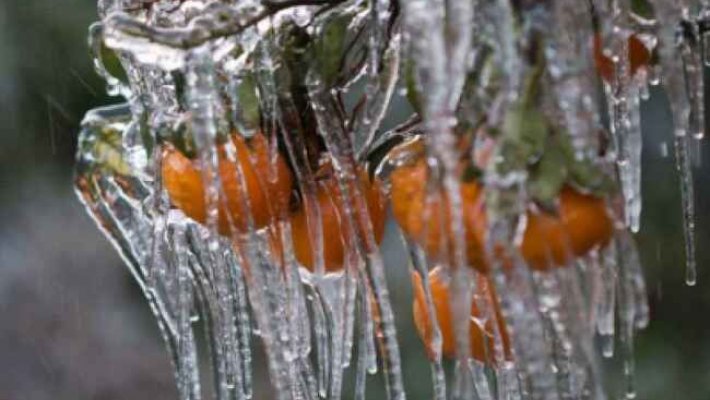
(268,196)
(581,225)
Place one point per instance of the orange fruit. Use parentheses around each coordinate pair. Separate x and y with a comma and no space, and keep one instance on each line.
(638,53)
(482,335)
(423,217)
(332,213)
(268,184)
(582,222)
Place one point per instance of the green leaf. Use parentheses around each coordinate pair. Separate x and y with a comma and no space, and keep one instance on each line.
(588,176)
(642,8)
(180,86)
(145,134)
(524,133)
(329,47)
(548,175)
(410,82)
(481,87)
(584,173)
(112,64)
(249,102)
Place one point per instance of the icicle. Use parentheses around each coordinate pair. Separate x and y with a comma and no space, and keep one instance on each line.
(481,384)
(367,354)
(298,314)
(356,214)
(243,325)
(349,293)
(587,377)
(549,298)
(361,372)
(166,46)
(378,95)
(505,25)
(145,50)
(120,218)
(418,265)
(679,59)
(382,72)
(322,344)
(687,197)
(632,169)
(559,295)
(328,300)
(663,149)
(188,377)
(622,94)
(590,275)
(607,301)
(459,29)
(441,69)
(628,308)
(334,292)
(570,67)
(212,275)
(520,310)
(280,112)
(202,100)
(508,387)
(505,208)
(693,64)
(368,329)
(460,292)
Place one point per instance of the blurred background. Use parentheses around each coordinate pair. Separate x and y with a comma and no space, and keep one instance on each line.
(74,325)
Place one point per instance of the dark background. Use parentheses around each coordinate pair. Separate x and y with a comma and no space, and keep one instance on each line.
(74,326)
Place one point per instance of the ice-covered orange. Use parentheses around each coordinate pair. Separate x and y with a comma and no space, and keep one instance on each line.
(332,212)
(267,182)
(581,223)
(482,327)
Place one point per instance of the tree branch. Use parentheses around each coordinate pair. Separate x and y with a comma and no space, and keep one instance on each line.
(225,22)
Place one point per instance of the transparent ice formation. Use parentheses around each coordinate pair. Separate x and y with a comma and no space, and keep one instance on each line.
(318,77)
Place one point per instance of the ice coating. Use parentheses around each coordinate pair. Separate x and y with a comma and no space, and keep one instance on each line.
(317,79)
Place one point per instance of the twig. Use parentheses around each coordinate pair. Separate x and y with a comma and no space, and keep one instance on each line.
(196,35)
